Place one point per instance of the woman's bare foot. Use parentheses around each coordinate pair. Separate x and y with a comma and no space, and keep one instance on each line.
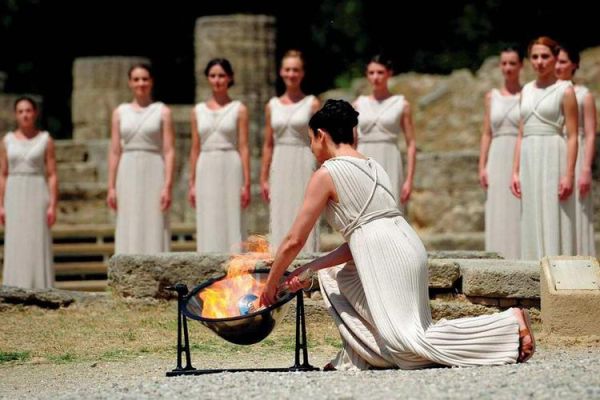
(526,339)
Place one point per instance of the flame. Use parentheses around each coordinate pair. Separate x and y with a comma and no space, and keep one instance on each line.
(220,300)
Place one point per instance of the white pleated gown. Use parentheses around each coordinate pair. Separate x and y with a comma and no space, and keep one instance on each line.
(584,210)
(547,224)
(218,180)
(142,228)
(502,208)
(27,239)
(380,301)
(291,168)
(378,131)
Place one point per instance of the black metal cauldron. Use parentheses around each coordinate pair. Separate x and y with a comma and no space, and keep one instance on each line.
(243,329)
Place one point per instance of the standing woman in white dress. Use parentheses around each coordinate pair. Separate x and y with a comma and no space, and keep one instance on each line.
(500,131)
(28,198)
(375,284)
(567,64)
(219,163)
(140,175)
(287,163)
(382,118)
(544,163)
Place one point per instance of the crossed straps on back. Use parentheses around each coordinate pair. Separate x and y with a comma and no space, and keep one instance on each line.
(362,218)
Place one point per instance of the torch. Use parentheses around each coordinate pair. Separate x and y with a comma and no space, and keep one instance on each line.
(249,302)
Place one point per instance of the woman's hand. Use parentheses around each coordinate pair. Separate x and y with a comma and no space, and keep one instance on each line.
(406,191)
(293,281)
(483,178)
(265,191)
(585,182)
(269,294)
(165,199)
(111,199)
(51,216)
(565,187)
(245,196)
(515,186)
(192,196)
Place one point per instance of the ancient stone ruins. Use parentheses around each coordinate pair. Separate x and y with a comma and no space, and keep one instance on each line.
(446,208)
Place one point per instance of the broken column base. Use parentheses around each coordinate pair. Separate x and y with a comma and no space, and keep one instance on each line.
(570,295)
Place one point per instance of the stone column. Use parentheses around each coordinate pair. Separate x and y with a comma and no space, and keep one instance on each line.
(99,85)
(248,42)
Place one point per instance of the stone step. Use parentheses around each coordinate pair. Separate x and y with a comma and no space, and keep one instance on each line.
(79,268)
(83,191)
(107,248)
(77,172)
(70,151)
(83,286)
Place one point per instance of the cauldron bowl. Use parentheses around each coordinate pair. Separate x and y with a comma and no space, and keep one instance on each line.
(243,329)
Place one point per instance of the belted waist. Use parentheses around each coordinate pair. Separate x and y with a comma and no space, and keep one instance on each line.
(369,217)
(217,147)
(505,133)
(542,130)
(25,173)
(148,150)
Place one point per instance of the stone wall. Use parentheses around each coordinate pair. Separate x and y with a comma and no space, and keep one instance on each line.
(99,85)
(460,283)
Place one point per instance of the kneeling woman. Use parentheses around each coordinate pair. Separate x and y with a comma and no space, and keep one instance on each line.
(375,284)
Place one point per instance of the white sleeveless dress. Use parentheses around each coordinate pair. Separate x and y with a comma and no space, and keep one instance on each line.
(27,240)
(547,224)
(378,131)
(142,228)
(218,179)
(380,300)
(584,210)
(291,168)
(502,208)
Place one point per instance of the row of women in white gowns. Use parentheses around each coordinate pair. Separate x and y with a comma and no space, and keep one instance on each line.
(143,228)
(539,224)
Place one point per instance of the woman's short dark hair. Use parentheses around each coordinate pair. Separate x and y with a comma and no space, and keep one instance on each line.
(223,63)
(572,53)
(145,66)
(338,118)
(513,49)
(28,99)
(382,60)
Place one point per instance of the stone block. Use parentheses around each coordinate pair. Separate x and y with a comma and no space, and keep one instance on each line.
(443,273)
(500,278)
(570,295)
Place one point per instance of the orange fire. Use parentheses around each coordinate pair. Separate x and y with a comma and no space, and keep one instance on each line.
(220,300)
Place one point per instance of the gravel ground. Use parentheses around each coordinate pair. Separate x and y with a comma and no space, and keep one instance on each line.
(572,373)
